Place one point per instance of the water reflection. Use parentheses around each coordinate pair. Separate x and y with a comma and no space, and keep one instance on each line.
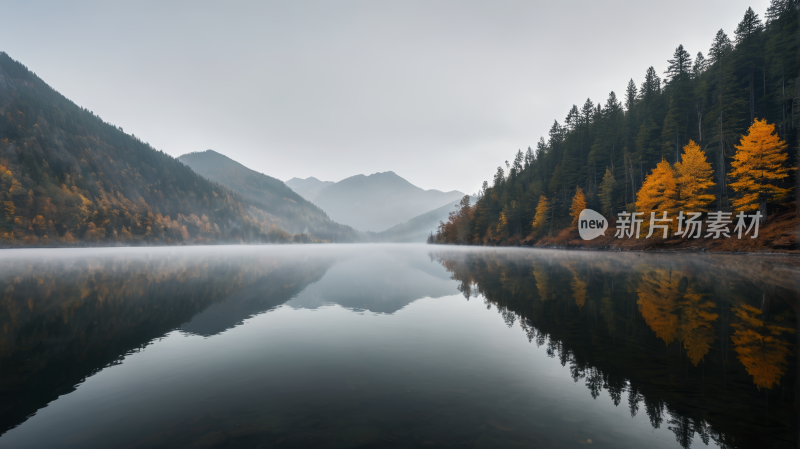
(377,281)
(66,317)
(707,343)
(702,347)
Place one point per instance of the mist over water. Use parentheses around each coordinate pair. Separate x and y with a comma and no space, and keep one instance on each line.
(395,346)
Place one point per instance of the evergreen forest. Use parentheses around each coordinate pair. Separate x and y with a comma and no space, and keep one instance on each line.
(717,131)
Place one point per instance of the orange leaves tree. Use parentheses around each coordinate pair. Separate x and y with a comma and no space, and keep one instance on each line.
(578,204)
(758,163)
(659,192)
(694,179)
(542,213)
(759,346)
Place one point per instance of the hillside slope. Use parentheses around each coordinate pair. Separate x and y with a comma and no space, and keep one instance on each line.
(67,177)
(625,153)
(379,201)
(420,227)
(284,207)
(308,188)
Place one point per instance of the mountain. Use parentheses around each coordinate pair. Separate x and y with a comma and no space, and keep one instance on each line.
(308,188)
(67,178)
(379,201)
(420,227)
(283,207)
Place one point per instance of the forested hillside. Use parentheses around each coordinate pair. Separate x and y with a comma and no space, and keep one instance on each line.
(679,134)
(286,208)
(67,177)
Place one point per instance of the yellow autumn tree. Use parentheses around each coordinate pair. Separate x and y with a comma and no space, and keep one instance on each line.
(578,205)
(758,163)
(659,194)
(502,225)
(694,179)
(542,213)
(759,346)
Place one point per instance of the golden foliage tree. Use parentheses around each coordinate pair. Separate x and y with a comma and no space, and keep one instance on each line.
(542,213)
(758,163)
(759,346)
(502,226)
(578,205)
(694,179)
(659,192)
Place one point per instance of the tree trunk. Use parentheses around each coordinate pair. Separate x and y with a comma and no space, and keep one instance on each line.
(700,126)
(752,96)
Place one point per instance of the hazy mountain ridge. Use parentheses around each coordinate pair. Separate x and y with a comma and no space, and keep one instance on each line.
(287,209)
(67,177)
(308,188)
(420,227)
(379,201)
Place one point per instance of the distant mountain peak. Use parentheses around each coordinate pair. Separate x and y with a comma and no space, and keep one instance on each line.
(287,208)
(379,201)
(310,178)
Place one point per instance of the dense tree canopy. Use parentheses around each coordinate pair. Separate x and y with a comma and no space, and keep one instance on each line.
(608,149)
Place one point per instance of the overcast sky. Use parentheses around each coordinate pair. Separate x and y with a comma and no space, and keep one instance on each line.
(440,92)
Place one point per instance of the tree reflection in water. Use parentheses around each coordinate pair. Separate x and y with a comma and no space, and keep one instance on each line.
(662,333)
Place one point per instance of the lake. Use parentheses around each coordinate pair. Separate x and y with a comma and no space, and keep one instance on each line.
(344,346)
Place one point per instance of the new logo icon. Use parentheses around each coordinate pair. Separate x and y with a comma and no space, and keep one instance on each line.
(591,224)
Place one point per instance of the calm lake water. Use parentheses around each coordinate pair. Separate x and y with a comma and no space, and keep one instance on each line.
(341,346)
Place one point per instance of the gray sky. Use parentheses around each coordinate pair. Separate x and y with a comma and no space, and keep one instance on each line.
(440,92)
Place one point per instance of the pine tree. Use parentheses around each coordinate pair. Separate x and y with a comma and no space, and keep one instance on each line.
(748,28)
(759,161)
(720,47)
(659,192)
(750,53)
(607,192)
(651,85)
(781,62)
(676,121)
(700,65)
(694,179)
(573,119)
(726,113)
(680,65)
(578,205)
(630,95)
